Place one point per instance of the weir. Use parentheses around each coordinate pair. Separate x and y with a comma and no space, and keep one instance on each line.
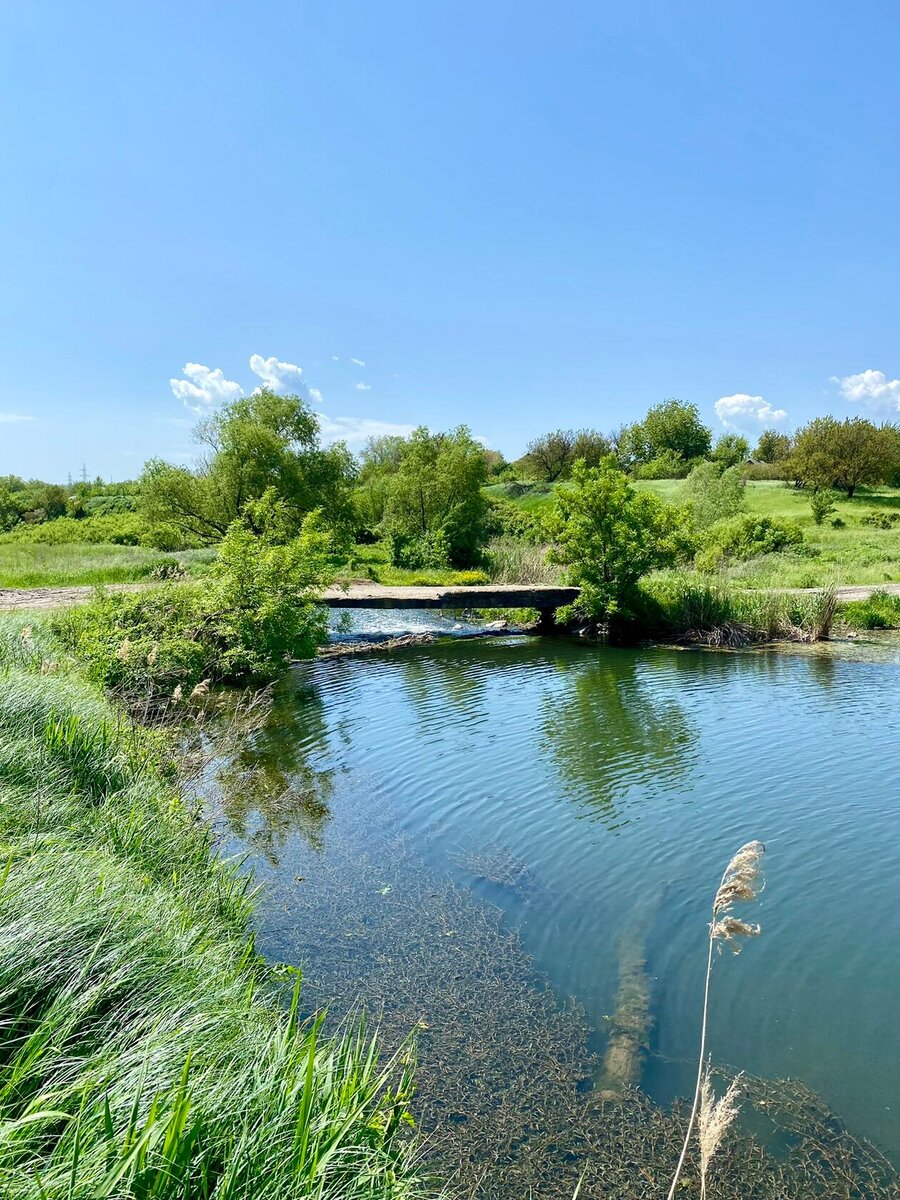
(371,595)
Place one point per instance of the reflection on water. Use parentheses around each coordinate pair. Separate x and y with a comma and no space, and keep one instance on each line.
(568,785)
(611,729)
(278,783)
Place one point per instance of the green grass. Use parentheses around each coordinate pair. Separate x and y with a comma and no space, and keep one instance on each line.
(26,565)
(879,611)
(856,553)
(144,1046)
(372,562)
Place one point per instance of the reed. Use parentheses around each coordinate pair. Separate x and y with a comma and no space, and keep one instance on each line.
(740,883)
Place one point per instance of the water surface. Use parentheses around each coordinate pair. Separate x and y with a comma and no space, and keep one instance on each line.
(586,791)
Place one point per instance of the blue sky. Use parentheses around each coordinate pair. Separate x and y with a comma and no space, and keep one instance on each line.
(514,215)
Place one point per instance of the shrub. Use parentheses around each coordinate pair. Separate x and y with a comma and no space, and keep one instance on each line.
(821,504)
(413,552)
(746,536)
(838,523)
(116,529)
(879,519)
(507,520)
(256,610)
(712,494)
(666,465)
(881,610)
(609,535)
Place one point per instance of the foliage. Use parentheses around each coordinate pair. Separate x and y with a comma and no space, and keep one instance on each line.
(731,450)
(508,520)
(745,536)
(609,536)
(881,610)
(712,494)
(412,552)
(550,457)
(772,446)
(671,426)
(436,489)
(829,453)
(146,1050)
(111,529)
(879,519)
(256,609)
(667,465)
(256,443)
(821,504)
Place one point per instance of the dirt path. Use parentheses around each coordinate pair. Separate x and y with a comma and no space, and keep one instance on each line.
(12,599)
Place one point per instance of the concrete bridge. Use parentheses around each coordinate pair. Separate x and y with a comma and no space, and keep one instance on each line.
(372,595)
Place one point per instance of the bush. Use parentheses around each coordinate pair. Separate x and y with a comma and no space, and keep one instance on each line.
(507,520)
(765,470)
(712,494)
(746,536)
(413,553)
(256,610)
(821,504)
(115,529)
(880,611)
(879,519)
(667,465)
(470,578)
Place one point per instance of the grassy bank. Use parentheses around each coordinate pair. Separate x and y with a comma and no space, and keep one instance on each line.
(27,564)
(145,1050)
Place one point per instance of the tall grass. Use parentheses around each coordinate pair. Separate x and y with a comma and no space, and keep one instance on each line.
(696,609)
(509,561)
(145,1050)
(25,565)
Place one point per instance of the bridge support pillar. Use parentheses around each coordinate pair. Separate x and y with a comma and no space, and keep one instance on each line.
(547,621)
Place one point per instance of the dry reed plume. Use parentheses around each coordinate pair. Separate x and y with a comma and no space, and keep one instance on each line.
(740,883)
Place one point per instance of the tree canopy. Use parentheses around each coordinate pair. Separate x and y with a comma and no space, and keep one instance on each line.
(254,444)
(845,454)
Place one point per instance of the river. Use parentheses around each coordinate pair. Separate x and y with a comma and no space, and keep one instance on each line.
(529,805)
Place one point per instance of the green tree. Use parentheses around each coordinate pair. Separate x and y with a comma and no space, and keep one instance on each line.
(711,494)
(259,442)
(821,503)
(848,454)
(675,425)
(609,535)
(9,510)
(435,493)
(772,446)
(731,450)
(550,457)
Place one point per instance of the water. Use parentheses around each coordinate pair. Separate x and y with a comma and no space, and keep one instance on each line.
(618,783)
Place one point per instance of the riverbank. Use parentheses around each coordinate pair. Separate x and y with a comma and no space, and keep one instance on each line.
(147,1049)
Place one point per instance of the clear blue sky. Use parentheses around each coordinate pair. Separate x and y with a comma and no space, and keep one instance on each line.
(517,215)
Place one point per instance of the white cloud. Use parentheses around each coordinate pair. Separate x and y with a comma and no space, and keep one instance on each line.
(316,396)
(363,387)
(280,376)
(204,387)
(355,430)
(357,362)
(334,358)
(872,388)
(741,411)
(8,418)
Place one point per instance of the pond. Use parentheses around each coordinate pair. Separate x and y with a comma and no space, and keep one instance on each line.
(475,836)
